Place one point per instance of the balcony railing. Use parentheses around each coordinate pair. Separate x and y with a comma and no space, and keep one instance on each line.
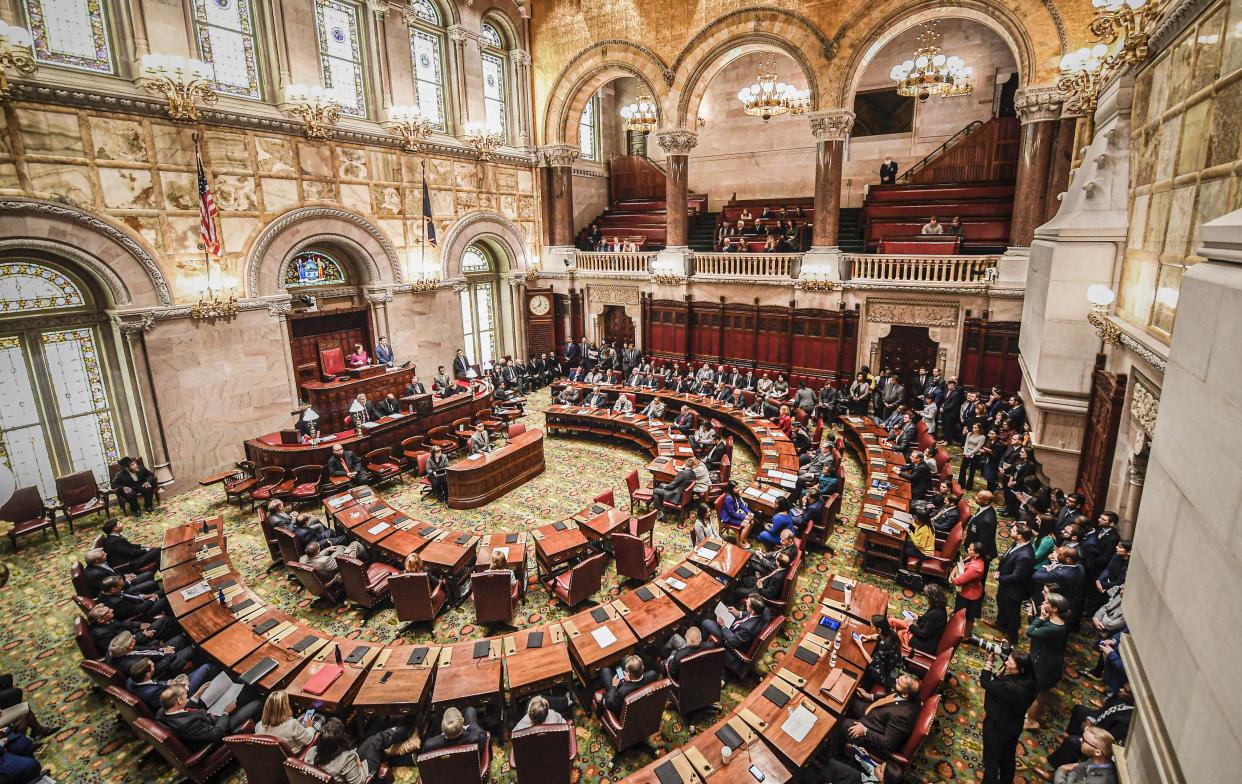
(606,262)
(746,265)
(922,268)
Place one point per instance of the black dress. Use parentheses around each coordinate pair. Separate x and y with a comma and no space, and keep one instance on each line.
(1048,642)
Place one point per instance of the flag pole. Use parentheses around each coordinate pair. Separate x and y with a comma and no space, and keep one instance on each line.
(422,244)
(198,159)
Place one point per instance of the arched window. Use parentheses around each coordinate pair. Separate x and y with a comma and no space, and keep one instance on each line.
(314,268)
(427,53)
(55,407)
(226,39)
(495,93)
(478,305)
(588,130)
(71,33)
(340,55)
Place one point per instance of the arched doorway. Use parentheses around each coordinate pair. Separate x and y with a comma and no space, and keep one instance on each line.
(58,404)
(616,325)
(906,349)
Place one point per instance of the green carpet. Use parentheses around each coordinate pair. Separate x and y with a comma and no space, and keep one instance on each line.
(37,647)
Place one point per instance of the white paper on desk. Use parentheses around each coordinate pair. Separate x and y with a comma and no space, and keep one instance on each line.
(799,723)
(603,636)
(752,492)
(674,583)
(375,529)
(195,590)
(724,616)
(397,415)
(705,553)
(474,457)
(369,425)
(220,694)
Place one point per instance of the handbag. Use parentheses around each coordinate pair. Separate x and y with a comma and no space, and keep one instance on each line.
(911,580)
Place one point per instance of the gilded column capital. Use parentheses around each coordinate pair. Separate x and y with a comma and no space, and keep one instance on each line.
(558,154)
(677,141)
(832,125)
(1041,103)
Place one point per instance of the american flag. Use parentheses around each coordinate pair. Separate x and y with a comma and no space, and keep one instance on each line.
(206,212)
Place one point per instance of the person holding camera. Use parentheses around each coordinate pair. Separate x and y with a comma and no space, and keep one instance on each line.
(1048,634)
(1008,694)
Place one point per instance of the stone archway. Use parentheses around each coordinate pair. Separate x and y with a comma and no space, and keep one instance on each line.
(488,226)
(592,68)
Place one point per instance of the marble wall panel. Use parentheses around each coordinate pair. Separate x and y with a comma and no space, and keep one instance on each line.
(118,140)
(356,197)
(180,190)
(235,193)
(127,188)
(228,151)
(174,144)
(315,159)
(275,156)
(50,133)
(315,190)
(386,200)
(351,163)
(62,180)
(279,195)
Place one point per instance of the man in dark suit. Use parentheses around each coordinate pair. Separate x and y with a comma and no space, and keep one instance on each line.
(569,396)
(597,399)
(167,661)
(458,729)
(770,585)
(1013,580)
(385,406)
(951,412)
(1064,575)
(144,682)
(680,647)
(571,353)
(944,518)
(1007,696)
(739,634)
(193,725)
(461,365)
(684,421)
(134,481)
(130,606)
(1113,717)
(907,434)
(671,491)
(714,454)
(918,474)
(882,726)
(343,462)
(620,683)
(97,570)
(981,527)
(888,171)
(121,551)
(104,627)
(415,387)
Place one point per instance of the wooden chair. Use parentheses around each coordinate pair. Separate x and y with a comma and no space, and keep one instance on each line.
(85,604)
(415,598)
(638,493)
(644,525)
(940,564)
(490,423)
(269,537)
(199,766)
(456,765)
(102,674)
(127,705)
(382,466)
(268,485)
(82,636)
(543,754)
(262,757)
(314,584)
(366,585)
(680,505)
(495,596)
(919,662)
(607,498)
(28,514)
(640,716)
(462,429)
(900,761)
(77,576)
(579,583)
(439,436)
(288,544)
(299,772)
(635,559)
(698,681)
(779,604)
(516,429)
(332,363)
(411,448)
(306,484)
(748,660)
(80,495)
(241,483)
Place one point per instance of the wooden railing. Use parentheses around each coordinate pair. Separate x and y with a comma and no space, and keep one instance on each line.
(987,154)
(922,268)
(614,262)
(748,265)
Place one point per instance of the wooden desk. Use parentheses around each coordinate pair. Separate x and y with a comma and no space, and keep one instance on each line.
(652,620)
(514,546)
(598,527)
(866,600)
(556,543)
(701,591)
(479,479)
(531,670)
(180,534)
(393,686)
(231,644)
(766,718)
(339,695)
(452,554)
(679,762)
(287,663)
(331,399)
(589,657)
(753,751)
(728,560)
(462,680)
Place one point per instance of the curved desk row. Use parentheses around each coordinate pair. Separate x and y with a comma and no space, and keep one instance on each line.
(778,461)
(479,479)
(267,450)
(880,535)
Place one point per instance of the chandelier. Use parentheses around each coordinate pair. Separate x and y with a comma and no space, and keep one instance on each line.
(640,116)
(315,107)
(931,72)
(410,124)
(768,98)
(211,306)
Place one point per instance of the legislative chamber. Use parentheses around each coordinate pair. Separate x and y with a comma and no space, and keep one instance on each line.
(661,393)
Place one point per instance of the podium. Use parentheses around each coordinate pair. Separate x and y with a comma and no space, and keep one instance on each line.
(331,399)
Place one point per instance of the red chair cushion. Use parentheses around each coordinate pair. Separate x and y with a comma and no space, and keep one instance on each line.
(306,489)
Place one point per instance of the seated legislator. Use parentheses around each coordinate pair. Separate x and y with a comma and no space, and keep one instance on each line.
(104,627)
(679,647)
(383,352)
(441,384)
(17,761)
(167,660)
(301,525)
(359,358)
(323,559)
(918,473)
(458,729)
(148,686)
(343,462)
(742,630)
(415,387)
(596,399)
(480,442)
(623,405)
(684,423)
(499,562)
(134,481)
(883,725)
(538,712)
(702,436)
(437,466)
(121,551)
(654,409)
(923,634)
(129,606)
(734,513)
(770,585)
(786,517)
(461,365)
(385,406)
(704,528)
(279,722)
(920,544)
(671,491)
(569,396)
(620,682)
(193,725)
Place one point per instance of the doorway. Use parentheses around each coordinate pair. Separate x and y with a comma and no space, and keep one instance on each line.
(618,326)
(906,349)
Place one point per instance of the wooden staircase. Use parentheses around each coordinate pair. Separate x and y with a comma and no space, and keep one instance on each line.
(980,152)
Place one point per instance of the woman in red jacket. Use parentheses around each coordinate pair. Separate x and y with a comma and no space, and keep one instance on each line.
(968,577)
(785,423)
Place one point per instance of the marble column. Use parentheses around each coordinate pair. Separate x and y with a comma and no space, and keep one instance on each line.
(559,159)
(677,144)
(379,10)
(134,328)
(1039,110)
(521,80)
(457,65)
(830,128)
(1062,161)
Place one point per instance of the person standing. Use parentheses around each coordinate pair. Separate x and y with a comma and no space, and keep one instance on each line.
(383,352)
(1007,696)
(1013,580)
(1049,634)
(888,171)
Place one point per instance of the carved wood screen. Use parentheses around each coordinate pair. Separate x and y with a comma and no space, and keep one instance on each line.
(1108,392)
(990,355)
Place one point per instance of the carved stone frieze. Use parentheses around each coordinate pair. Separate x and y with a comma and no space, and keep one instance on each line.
(1038,104)
(132,324)
(559,154)
(1144,403)
(832,125)
(613,295)
(920,313)
(677,141)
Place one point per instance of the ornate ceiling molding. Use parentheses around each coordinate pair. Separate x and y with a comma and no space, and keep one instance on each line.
(695,85)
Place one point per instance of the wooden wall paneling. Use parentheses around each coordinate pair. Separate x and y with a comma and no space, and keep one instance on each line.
(704,331)
(738,334)
(847,345)
(1108,392)
(635,177)
(560,305)
(990,355)
(772,345)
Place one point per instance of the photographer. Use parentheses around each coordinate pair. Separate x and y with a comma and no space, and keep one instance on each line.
(1008,693)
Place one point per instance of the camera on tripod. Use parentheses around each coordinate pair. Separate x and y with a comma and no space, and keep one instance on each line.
(1001,648)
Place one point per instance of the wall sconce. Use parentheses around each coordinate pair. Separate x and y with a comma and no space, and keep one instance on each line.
(314,107)
(666,274)
(424,275)
(816,283)
(1083,72)
(410,124)
(1101,297)
(181,81)
(1130,20)
(15,53)
(483,140)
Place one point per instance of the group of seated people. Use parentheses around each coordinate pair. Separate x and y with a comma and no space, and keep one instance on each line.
(934,227)
(21,735)
(594,239)
(778,226)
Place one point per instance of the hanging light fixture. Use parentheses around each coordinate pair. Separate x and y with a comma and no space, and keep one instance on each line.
(640,116)
(768,98)
(931,72)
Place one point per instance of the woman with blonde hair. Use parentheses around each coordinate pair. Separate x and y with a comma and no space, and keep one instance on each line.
(278,721)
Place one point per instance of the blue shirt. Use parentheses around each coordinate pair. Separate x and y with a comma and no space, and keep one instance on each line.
(733,512)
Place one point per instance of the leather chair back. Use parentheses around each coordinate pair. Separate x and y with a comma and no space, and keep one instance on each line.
(699,677)
(354,579)
(411,596)
(544,754)
(82,636)
(311,581)
(607,498)
(640,715)
(632,483)
(170,748)
(586,578)
(262,757)
(516,429)
(77,575)
(493,596)
(948,548)
(455,765)
(954,631)
(102,674)
(922,728)
(332,361)
(762,640)
(127,704)
(791,580)
(630,552)
(288,545)
(269,535)
(644,525)
(85,604)
(930,683)
(26,504)
(76,488)
(299,772)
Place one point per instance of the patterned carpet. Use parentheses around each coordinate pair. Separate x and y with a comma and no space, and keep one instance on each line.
(90,748)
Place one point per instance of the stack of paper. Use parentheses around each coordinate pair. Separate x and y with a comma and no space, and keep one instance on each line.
(603,636)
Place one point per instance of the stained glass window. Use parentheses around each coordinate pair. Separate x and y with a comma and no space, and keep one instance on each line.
(588,130)
(226,39)
(340,55)
(313,268)
(423,9)
(22,444)
(71,33)
(428,75)
(490,36)
(77,377)
(26,286)
(475,260)
(494,92)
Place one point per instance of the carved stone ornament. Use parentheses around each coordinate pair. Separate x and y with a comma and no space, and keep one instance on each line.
(458,34)
(378,296)
(916,312)
(1144,404)
(613,295)
(132,324)
(559,154)
(279,307)
(519,57)
(1038,104)
(832,125)
(678,141)
(377,7)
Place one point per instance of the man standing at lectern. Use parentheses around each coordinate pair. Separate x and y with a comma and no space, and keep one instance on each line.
(461,365)
(383,352)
